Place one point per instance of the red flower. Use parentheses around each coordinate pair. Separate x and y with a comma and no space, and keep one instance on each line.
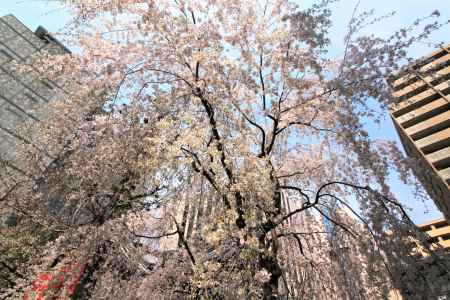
(39,287)
(45,277)
(65,268)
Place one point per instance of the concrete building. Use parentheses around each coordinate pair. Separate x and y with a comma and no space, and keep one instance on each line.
(438,232)
(23,97)
(432,272)
(421,116)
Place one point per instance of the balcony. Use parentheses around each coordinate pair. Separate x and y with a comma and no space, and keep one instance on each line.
(420,99)
(430,126)
(445,174)
(435,141)
(421,84)
(424,112)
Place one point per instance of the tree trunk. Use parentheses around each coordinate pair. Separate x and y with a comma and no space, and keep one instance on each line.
(269,262)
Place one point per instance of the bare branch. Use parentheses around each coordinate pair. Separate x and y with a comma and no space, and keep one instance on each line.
(262,81)
(156,236)
(183,241)
(263,133)
(336,223)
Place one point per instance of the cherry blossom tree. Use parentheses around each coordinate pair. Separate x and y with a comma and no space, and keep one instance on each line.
(233,106)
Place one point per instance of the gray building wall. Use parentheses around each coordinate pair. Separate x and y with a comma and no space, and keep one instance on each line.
(24,97)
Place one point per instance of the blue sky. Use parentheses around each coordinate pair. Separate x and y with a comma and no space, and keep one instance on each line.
(48,14)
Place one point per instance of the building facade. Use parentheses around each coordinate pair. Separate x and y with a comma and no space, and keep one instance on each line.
(438,232)
(421,116)
(438,235)
(23,96)
(431,269)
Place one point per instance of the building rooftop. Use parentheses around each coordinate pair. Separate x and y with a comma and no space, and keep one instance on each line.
(40,32)
(441,51)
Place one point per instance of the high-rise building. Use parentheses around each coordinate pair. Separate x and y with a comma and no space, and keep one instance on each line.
(431,268)
(23,96)
(436,271)
(421,116)
(438,232)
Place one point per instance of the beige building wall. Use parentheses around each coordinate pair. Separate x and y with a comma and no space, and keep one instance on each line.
(438,232)
(191,214)
(421,116)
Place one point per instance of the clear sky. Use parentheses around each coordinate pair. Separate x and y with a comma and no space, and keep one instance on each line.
(48,14)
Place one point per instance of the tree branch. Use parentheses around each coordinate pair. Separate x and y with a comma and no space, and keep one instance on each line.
(296,237)
(274,132)
(206,174)
(370,190)
(155,237)
(240,221)
(151,193)
(335,222)
(298,173)
(183,241)
(262,81)
(294,188)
